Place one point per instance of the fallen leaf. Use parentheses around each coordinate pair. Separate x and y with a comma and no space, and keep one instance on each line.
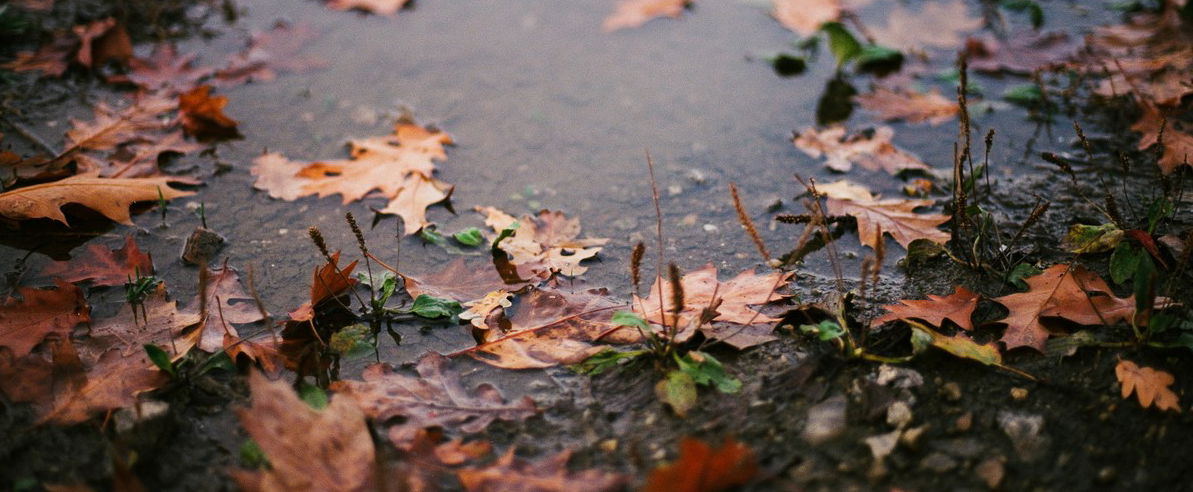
(112,381)
(1177,144)
(113,127)
(380,7)
(1063,291)
(24,323)
(89,45)
(329,281)
(910,106)
(1020,53)
(111,197)
(478,310)
(509,474)
(308,449)
(42,5)
(958,345)
(436,398)
(36,379)
(634,13)
(103,266)
(162,324)
(52,58)
(399,166)
(956,307)
(939,25)
(203,114)
(806,16)
(890,216)
(700,468)
(872,149)
(139,160)
(222,306)
(544,242)
(271,52)
(1149,385)
(165,70)
(460,281)
(734,315)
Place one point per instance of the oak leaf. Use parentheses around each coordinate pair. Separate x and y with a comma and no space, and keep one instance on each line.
(139,159)
(113,127)
(436,398)
(909,105)
(701,468)
(164,70)
(328,282)
(111,197)
(634,13)
(203,115)
(380,7)
(163,325)
(509,474)
(1156,129)
(547,241)
(875,217)
(103,266)
(308,449)
(270,52)
(957,307)
(52,58)
(114,380)
(222,305)
(88,45)
(806,16)
(24,323)
(479,310)
(872,149)
(1149,385)
(939,25)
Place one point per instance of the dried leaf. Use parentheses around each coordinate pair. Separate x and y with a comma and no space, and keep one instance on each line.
(165,70)
(546,242)
(329,281)
(480,309)
(103,266)
(226,305)
(551,474)
(909,105)
(203,115)
(101,41)
(436,398)
(52,58)
(108,196)
(1149,385)
(700,468)
(113,127)
(162,325)
(112,381)
(460,281)
(806,16)
(380,7)
(26,322)
(1177,144)
(872,150)
(140,160)
(891,216)
(939,25)
(957,307)
(634,13)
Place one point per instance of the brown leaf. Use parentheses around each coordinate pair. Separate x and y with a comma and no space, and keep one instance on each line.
(460,281)
(329,281)
(436,398)
(545,242)
(939,25)
(479,310)
(956,307)
(113,381)
(51,58)
(140,160)
(910,106)
(111,197)
(26,322)
(877,217)
(103,266)
(269,53)
(550,474)
(634,13)
(1063,291)
(700,468)
(380,7)
(223,304)
(1177,144)
(101,41)
(165,70)
(162,325)
(113,127)
(1021,52)
(400,166)
(308,449)
(735,296)
(872,149)
(806,16)
(1149,385)
(203,115)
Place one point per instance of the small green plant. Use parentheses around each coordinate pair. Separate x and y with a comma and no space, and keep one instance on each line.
(136,290)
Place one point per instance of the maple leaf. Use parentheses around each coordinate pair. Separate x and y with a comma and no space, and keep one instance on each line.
(52,58)
(40,312)
(33,378)
(308,449)
(701,468)
(222,305)
(436,398)
(1063,291)
(203,115)
(805,17)
(380,7)
(268,53)
(550,474)
(164,70)
(634,13)
(956,307)
(1149,385)
(1177,144)
(871,149)
(910,106)
(111,197)
(550,327)
(544,242)
(103,266)
(1020,53)
(112,381)
(399,166)
(735,298)
(937,25)
(876,217)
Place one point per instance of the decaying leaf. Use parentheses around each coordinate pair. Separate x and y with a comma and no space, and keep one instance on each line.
(111,197)
(223,304)
(939,25)
(203,114)
(909,105)
(436,398)
(114,380)
(956,307)
(113,127)
(25,322)
(308,449)
(461,282)
(1020,52)
(1149,56)
(1156,129)
(959,345)
(806,16)
(1149,385)
(701,468)
(545,242)
(164,70)
(872,149)
(733,312)
(399,166)
(89,45)
(162,324)
(329,281)
(380,7)
(103,266)
(509,474)
(877,217)
(270,52)
(634,13)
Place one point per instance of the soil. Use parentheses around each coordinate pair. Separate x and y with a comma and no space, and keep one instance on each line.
(551,113)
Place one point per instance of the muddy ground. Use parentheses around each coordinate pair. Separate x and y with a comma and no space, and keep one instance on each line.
(538,129)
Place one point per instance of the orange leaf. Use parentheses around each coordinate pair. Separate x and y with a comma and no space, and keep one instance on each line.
(1157,129)
(545,242)
(877,217)
(1150,385)
(806,16)
(699,468)
(957,307)
(108,196)
(634,13)
(381,7)
(550,474)
(103,266)
(203,114)
(872,150)
(909,105)
(25,323)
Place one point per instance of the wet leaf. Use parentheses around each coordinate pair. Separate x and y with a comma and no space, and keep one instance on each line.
(871,149)
(111,197)
(165,70)
(805,17)
(550,474)
(25,322)
(112,381)
(939,25)
(436,398)
(269,53)
(1020,53)
(460,281)
(545,242)
(957,307)
(103,266)
(435,307)
(678,391)
(161,325)
(824,331)
(1125,260)
(203,114)
(841,43)
(634,13)
(875,217)
(1149,385)
(379,7)
(909,105)
(112,127)
(222,305)
(329,281)
(469,237)
(702,468)
(1086,239)
(1177,144)
(89,45)
(160,359)
(958,345)
(478,311)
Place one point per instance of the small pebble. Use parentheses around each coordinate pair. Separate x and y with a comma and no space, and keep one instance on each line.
(898,414)
(991,471)
(711,228)
(964,422)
